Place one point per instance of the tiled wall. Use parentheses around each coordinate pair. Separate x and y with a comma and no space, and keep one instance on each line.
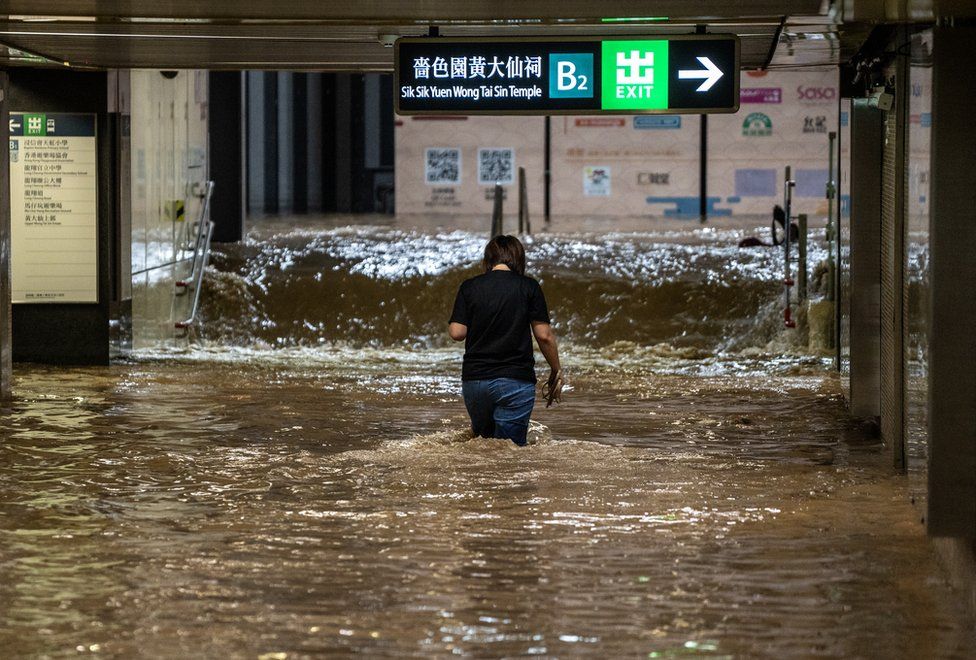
(168,157)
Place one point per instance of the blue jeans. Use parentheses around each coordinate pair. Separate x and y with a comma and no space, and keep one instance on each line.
(499,407)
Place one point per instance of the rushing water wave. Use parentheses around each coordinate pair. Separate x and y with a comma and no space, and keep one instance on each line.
(301,482)
(387,286)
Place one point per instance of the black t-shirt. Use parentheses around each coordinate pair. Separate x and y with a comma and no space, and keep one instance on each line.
(498,308)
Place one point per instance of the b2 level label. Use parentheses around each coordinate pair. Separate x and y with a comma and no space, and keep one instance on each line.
(691,74)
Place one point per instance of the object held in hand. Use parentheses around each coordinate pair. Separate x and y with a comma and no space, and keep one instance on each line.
(553,389)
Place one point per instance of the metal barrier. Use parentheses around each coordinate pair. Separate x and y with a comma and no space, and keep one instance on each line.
(497,215)
(524,225)
(201,255)
(802,292)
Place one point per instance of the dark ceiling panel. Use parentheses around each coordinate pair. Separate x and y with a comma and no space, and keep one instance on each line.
(126,53)
(385,11)
(325,48)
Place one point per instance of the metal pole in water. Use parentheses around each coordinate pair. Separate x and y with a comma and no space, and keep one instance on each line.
(832,222)
(548,172)
(787,226)
(496,213)
(703,169)
(801,269)
(523,203)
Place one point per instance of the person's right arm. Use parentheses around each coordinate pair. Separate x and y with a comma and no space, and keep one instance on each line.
(457,328)
(458,331)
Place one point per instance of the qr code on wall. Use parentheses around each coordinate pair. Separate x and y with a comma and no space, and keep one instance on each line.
(496,166)
(442,166)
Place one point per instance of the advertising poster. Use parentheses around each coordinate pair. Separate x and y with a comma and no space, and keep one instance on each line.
(53,208)
(596,181)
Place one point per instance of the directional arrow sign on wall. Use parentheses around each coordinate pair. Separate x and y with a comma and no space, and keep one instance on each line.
(704,74)
(709,75)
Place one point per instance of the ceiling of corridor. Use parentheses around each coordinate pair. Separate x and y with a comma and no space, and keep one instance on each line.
(331,36)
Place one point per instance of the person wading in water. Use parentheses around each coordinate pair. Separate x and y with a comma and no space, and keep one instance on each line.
(496,314)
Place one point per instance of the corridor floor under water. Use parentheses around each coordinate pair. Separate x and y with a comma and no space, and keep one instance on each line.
(305,498)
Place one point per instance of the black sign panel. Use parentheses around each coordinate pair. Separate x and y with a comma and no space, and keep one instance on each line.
(689,74)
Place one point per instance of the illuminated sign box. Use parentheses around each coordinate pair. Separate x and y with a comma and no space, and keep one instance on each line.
(53,207)
(547,76)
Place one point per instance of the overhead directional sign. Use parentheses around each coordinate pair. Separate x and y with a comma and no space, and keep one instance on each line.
(545,75)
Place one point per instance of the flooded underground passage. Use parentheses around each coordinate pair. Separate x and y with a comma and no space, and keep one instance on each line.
(246,412)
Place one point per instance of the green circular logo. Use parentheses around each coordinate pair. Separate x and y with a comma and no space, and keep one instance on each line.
(757,124)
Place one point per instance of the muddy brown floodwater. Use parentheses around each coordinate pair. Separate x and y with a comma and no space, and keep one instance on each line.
(284,490)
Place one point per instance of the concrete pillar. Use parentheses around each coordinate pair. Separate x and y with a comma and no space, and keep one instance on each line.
(286,161)
(299,145)
(6,309)
(255,141)
(952,347)
(343,143)
(227,155)
(371,121)
(313,138)
(120,116)
(867,135)
(894,429)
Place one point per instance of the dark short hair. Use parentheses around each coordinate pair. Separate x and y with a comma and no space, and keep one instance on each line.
(506,250)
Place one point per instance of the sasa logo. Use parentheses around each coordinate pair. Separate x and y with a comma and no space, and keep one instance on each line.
(816,93)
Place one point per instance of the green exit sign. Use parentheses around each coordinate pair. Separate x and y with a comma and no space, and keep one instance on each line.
(35,125)
(635,75)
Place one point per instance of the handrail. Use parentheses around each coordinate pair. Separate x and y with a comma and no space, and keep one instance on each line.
(201,256)
(186,323)
(201,233)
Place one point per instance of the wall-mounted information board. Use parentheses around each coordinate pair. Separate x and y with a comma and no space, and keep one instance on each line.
(545,76)
(53,208)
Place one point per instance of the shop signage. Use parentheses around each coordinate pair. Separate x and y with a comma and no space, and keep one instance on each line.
(659,121)
(816,93)
(757,124)
(653,178)
(816,124)
(762,95)
(545,75)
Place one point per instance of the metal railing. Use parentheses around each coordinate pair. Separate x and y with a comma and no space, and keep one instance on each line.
(201,254)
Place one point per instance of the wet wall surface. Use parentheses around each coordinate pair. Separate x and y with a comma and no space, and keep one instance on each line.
(274,491)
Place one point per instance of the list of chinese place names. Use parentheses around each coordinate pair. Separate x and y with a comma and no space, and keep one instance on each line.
(54,222)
